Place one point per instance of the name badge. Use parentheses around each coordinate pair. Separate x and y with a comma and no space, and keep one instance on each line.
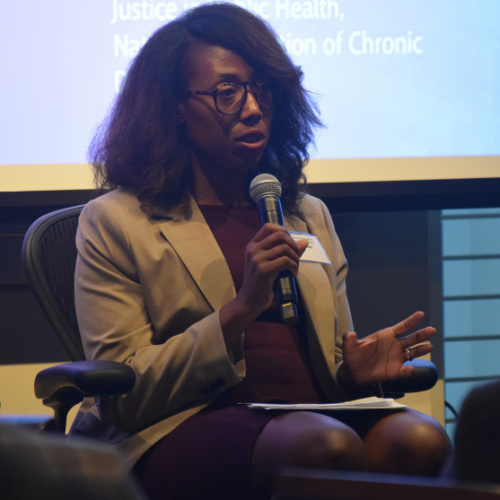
(314,251)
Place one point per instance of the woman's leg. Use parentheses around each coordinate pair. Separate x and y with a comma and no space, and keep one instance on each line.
(405,442)
(303,439)
(402,442)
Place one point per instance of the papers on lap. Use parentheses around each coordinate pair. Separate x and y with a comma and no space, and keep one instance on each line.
(358,404)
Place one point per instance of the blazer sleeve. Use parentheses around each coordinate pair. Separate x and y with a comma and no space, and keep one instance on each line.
(189,369)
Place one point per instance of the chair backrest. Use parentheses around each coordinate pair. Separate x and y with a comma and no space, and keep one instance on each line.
(49,259)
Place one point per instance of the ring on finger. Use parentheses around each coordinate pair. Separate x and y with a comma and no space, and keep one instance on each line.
(407,354)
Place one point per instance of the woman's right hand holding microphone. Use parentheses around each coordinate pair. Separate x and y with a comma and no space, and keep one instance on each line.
(271,251)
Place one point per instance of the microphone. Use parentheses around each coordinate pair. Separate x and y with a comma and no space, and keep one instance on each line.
(265,191)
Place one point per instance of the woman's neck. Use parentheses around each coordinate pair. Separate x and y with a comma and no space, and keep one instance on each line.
(220,187)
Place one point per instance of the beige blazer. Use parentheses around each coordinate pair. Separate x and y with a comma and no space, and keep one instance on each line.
(148,292)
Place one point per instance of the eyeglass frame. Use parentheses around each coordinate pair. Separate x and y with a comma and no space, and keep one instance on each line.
(213,93)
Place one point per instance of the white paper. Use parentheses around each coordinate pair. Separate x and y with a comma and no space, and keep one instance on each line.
(372,403)
(314,251)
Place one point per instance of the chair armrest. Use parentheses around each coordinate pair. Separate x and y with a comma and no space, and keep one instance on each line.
(423,378)
(90,378)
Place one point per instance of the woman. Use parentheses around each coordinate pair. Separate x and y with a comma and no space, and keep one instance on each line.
(174,277)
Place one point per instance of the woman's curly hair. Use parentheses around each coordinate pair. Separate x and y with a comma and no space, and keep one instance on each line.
(142,147)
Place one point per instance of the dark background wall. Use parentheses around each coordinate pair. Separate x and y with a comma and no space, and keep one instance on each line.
(387,255)
(25,334)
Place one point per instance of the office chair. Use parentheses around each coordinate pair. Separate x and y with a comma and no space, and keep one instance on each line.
(49,259)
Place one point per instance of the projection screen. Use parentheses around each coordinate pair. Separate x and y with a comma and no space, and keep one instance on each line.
(408,90)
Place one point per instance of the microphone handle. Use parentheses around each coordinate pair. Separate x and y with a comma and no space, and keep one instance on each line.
(285,289)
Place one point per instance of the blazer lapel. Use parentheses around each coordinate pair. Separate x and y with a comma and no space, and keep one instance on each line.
(317,296)
(196,246)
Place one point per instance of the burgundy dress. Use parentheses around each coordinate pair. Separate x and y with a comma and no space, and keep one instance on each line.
(209,454)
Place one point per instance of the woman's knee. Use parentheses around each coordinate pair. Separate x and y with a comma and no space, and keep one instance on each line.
(303,439)
(407,443)
(316,440)
(330,447)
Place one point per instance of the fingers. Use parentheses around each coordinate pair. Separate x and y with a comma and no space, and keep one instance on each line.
(271,229)
(269,232)
(405,371)
(418,337)
(277,252)
(272,261)
(418,351)
(273,249)
(349,338)
(409,323)
(270,252)
(302,246)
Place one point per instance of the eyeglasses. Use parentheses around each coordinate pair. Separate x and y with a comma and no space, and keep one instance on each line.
(229,98)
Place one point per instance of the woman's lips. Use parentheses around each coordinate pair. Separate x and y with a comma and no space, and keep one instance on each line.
(252,140)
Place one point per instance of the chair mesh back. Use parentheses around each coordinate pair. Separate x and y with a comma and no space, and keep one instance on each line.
(49,260)
(57,255)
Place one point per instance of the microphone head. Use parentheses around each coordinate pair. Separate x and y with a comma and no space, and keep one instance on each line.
(264,185)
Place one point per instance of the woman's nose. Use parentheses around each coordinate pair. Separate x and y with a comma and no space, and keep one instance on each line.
(251,108)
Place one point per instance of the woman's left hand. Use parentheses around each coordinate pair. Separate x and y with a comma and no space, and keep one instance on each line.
(380,356)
